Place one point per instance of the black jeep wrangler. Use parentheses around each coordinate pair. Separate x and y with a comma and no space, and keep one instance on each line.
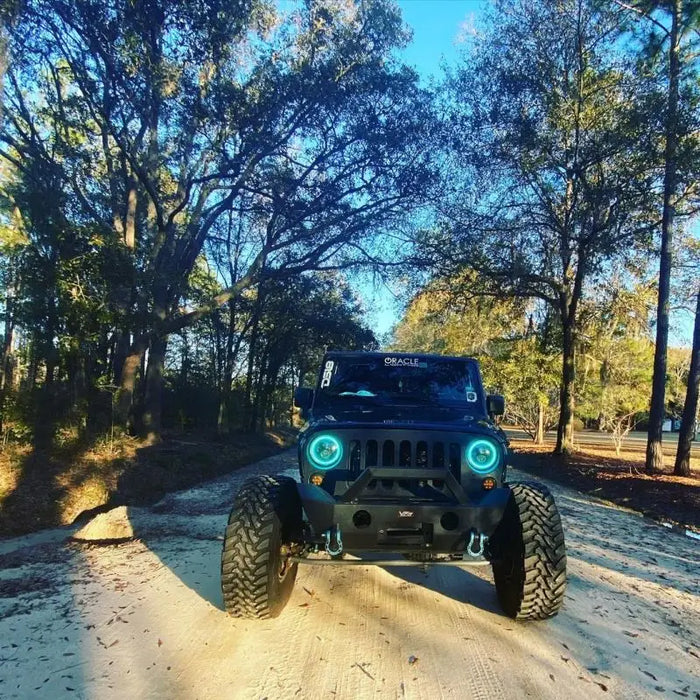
(400,455)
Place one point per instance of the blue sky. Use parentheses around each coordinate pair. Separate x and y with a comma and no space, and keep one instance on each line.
(437,26)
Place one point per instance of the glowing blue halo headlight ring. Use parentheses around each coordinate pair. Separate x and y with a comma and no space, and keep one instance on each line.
(325,451)
(482,455)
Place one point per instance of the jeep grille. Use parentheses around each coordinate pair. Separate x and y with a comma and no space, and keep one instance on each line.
(420,454)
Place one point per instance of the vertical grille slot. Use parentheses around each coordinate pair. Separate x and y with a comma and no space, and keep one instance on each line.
(388,457)
(405,453)
(355,455)
(422,455)
(455,460)
(438,455)
(371,454)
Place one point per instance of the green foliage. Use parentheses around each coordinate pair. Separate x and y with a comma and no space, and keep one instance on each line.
(615,353)
(528,376)
(171,158)
(445,318)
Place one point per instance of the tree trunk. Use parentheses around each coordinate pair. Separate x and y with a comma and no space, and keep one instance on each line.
(539,435)
(565,429)
(251,403)
(127,384)
(222,423)
(256,418)
(130,218)
(654,456)
(33,368)
(153,402)
(690,408)
(121,352)
(7,368)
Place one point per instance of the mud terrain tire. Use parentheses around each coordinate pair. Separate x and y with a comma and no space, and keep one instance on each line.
(256,579)
(529,553)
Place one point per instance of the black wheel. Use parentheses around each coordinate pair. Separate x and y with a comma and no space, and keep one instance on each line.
(256,579)
(529,554)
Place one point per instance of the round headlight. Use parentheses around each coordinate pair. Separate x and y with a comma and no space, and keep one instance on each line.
(482,456)
(325,451)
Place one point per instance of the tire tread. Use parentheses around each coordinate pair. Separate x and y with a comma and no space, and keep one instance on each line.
(531,533)
(247,555)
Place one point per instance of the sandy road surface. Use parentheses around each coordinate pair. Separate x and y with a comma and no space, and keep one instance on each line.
(143,619)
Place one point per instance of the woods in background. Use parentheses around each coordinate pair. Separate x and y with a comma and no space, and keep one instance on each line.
(572,133)
(187,189)
(168,164)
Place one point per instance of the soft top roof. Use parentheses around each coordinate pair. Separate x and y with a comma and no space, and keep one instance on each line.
(421,355)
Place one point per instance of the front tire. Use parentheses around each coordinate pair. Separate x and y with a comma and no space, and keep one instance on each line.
(529,567)
(256,579)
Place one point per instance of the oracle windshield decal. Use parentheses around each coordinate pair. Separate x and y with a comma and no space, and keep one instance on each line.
(405,362)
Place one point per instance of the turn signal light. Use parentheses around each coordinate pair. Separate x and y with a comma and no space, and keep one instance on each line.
(316,479)
(488,483)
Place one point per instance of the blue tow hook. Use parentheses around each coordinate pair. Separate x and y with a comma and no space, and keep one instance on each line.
(334,541)
(477,540)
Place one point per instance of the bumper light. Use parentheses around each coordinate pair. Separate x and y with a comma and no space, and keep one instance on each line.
(488,483)
(316,479)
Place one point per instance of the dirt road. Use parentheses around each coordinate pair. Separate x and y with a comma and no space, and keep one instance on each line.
(144,620)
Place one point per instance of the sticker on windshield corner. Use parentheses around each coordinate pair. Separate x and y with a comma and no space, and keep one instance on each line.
(471,396)
(327,374)
(404,362)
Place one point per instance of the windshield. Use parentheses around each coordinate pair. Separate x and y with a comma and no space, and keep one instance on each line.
(398,380)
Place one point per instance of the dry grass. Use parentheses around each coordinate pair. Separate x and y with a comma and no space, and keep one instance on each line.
(11,459)
(630,458)
(46,488)
(597,470)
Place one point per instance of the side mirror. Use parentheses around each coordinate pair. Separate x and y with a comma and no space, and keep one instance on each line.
(303,397)
(495,405)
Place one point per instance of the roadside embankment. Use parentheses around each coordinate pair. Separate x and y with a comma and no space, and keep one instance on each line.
(46,488)
(664,497)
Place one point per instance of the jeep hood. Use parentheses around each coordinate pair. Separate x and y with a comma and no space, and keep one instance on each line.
(405,417)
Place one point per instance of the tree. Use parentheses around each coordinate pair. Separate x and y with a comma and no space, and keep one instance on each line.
(12,241)
(296,321)
(670,30)
(159,120)
(526,373)
(615,354)
(546,119)
(446,317)
(689,422)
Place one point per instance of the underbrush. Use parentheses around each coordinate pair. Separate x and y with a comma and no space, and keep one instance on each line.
(44,487)
(621,480)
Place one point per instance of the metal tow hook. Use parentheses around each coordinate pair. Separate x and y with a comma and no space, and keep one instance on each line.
(475,538)
(334,541)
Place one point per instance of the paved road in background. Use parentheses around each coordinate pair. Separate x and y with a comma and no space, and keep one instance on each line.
(636,440)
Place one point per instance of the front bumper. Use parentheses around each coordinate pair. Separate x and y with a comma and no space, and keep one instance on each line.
(371,524)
